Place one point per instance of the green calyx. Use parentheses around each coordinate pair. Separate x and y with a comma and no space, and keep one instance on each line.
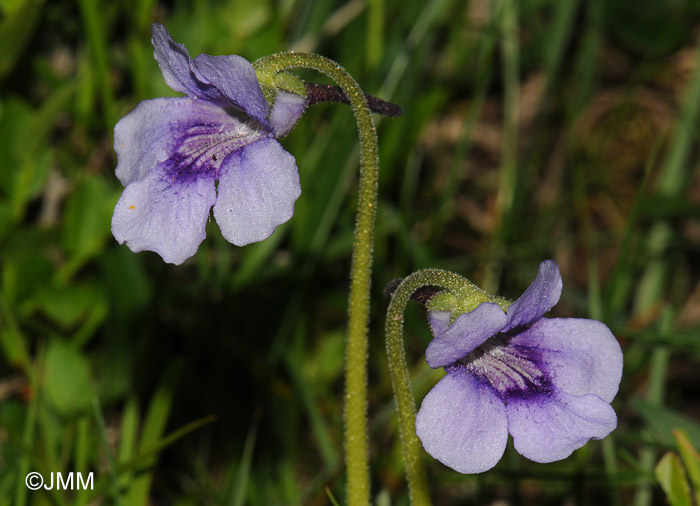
(464,300)
(289,82)
(271,81)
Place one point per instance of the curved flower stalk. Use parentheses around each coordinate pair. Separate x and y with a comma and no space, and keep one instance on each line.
(178,157)
(271,69)
(547,382)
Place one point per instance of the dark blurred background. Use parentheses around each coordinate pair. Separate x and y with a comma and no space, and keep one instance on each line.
(531,130)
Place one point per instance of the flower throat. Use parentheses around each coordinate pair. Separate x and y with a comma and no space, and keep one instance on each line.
(510,370)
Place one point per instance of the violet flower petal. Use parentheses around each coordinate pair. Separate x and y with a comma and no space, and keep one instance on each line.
(286,111)
(462,422)
(154,130)
(439,321)
(540,296)
(582,356)
(176,65)
(165,216)
(235,79)
(258,186)
(225,80)
(547,428)
(467,332)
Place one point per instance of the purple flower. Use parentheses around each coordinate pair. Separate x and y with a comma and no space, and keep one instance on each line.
(547,382)
(178,157)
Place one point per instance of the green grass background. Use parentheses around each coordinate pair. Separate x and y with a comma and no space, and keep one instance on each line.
(561,129)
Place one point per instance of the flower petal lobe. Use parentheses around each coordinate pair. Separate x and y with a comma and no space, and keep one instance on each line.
(439,321)
(233,76)
(582,356)
(541,296)
(286,111)
(154,214)
(257,189)
(175,63)
(550,427)
(462,423)
(467,332)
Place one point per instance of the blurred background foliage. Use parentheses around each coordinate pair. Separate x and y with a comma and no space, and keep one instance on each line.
(531,130)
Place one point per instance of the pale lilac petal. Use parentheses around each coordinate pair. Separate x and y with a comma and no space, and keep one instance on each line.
(258,186)
(144,137)
(540,297)
(546,428)
(153,132)
(235,78)
(176,65)
(582,356)
(156,129)
(286,111)
(439,321)
(224,80)
(467,332)
(157,214)
(462,423)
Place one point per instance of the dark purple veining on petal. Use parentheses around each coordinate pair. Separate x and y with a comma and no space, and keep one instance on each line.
(199,149)
(510,370)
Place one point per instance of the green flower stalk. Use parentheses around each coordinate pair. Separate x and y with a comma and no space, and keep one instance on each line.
(270,70)
(459,288)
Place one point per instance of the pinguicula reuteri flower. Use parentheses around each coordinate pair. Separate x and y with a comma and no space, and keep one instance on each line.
(215,147)
(546,381)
